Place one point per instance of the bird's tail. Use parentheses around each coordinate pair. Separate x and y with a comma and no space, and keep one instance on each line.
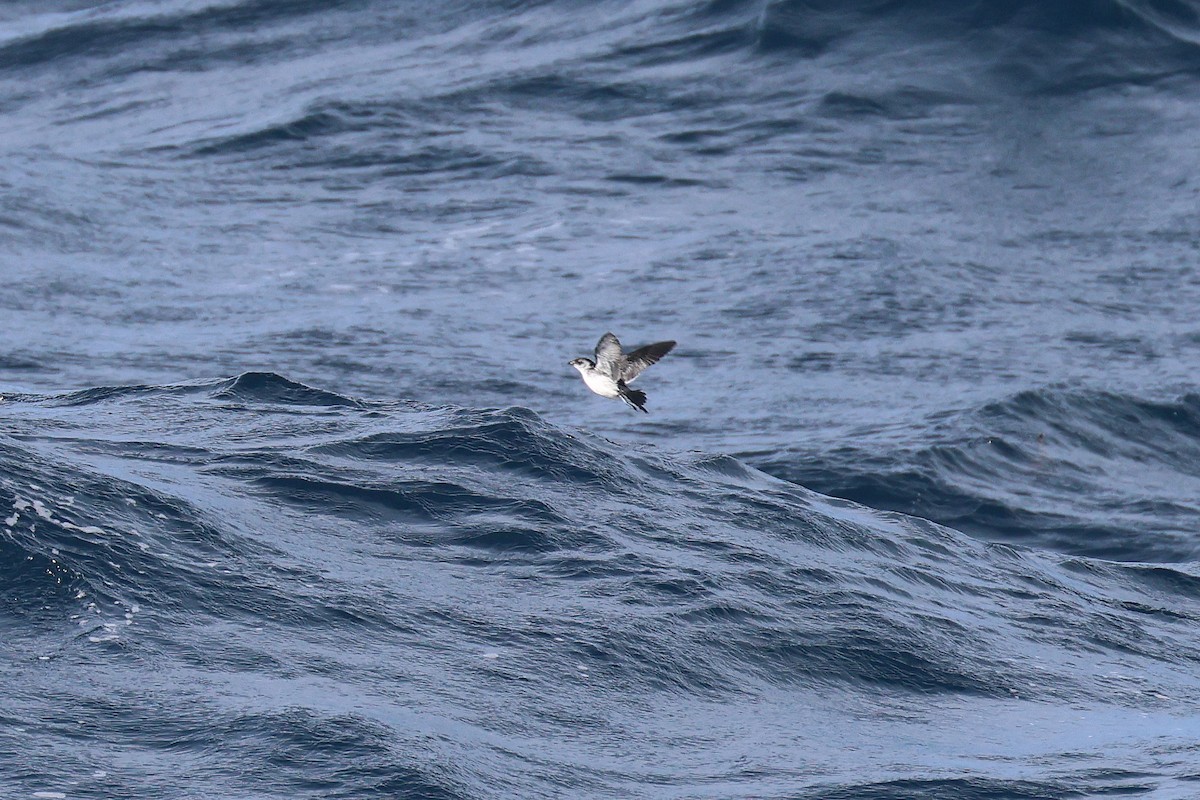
(634,397)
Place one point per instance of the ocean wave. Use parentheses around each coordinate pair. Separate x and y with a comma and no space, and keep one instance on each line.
(1061,47)
(1078,472)
(266,559)
(267,387)
(754,574)
(124,29)
(809,21)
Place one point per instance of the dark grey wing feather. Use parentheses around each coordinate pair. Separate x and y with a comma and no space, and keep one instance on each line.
(609,358)
(637,361)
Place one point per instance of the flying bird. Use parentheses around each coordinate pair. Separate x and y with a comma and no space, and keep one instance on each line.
(613,370)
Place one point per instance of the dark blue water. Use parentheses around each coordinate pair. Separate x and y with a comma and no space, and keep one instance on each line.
(300,499)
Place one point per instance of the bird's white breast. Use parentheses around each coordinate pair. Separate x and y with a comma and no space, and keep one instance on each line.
(600,383)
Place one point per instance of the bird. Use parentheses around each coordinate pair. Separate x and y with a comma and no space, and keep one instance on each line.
(612,371)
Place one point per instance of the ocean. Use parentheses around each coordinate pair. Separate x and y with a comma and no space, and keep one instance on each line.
(300,498)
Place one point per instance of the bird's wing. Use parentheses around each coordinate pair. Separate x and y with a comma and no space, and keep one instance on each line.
(637,361)
(609,358)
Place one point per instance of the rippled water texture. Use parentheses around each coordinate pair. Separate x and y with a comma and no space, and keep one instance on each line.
(299,497)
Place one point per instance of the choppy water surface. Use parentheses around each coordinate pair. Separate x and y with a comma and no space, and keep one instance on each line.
(299,497)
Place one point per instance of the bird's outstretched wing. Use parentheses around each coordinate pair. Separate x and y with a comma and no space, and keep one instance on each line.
(609,358)
(637,361)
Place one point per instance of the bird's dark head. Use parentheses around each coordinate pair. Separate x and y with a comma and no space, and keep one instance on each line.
(582,363)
